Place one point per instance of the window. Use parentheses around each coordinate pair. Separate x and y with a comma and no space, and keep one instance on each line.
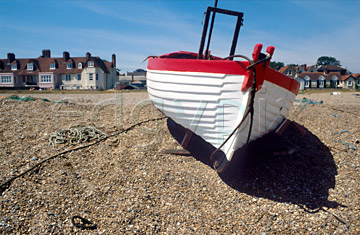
(79,65)
(67,77)
(5,79)
(69,65)
(349,83)
(97,77)
(14,67)
(52,66)
(79,77)
(90,76)
(307,81)
(45,78)
(30,66)
(77,87)
(90,63)
(321,83)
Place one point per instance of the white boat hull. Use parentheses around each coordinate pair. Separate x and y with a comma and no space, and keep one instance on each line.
(211,105)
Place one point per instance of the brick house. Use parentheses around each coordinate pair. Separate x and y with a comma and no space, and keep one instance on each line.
(324,76)
(58,72)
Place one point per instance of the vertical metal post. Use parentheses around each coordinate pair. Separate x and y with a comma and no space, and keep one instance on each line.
(236,35)
(210,32)
(203,37)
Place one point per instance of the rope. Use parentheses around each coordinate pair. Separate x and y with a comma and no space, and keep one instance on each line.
(250,106)
(249,110)
(76,135)
(7,183)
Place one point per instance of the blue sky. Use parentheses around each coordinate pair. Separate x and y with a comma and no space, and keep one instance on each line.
(301,31)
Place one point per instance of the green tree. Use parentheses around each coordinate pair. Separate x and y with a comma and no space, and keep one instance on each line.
(327,60)
(276,65)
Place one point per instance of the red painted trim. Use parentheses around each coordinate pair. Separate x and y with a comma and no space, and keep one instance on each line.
(202,66)
(223,67)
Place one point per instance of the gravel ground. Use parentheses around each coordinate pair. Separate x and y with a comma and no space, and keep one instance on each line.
(127,185)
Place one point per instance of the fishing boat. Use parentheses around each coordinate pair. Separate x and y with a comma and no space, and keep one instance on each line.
(228,102)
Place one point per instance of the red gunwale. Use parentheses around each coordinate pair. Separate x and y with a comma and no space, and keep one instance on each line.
(221,67)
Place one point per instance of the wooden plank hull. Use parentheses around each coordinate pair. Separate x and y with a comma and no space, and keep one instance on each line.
(210,102)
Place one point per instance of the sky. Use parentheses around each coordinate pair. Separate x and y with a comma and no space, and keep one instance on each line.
(301,30)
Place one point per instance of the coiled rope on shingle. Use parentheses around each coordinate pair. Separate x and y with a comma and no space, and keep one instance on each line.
(7,183)
(76,135)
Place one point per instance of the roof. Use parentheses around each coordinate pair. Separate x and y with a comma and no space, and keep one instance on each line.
(310,67)
(356,75)
(317,75)
(283,69)
(330,67)
(42,64)
(344,77)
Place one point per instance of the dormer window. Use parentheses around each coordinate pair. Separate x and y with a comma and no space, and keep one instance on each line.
(14,67)
(69,66)
(30,66)
(90,64)
(52,66)
(80,66)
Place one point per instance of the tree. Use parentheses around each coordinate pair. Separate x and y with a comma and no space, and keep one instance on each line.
(276,65)
(327,60)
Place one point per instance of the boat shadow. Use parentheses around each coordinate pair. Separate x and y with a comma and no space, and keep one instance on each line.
(269,170)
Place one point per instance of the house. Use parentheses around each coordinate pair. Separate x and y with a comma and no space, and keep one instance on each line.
(348,81)
(315,76)
(312,68)
(65,72)
(288,70)
(133,80)
(318,80)
(291,70)
(357,80)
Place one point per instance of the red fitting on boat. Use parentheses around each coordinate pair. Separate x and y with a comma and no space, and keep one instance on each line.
(257,51)
(270,50)
(248,80)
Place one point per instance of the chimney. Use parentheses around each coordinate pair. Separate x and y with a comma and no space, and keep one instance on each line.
(304,66)
(66,55)
(114,60)
(88,55)
(46,53)
(10,57)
